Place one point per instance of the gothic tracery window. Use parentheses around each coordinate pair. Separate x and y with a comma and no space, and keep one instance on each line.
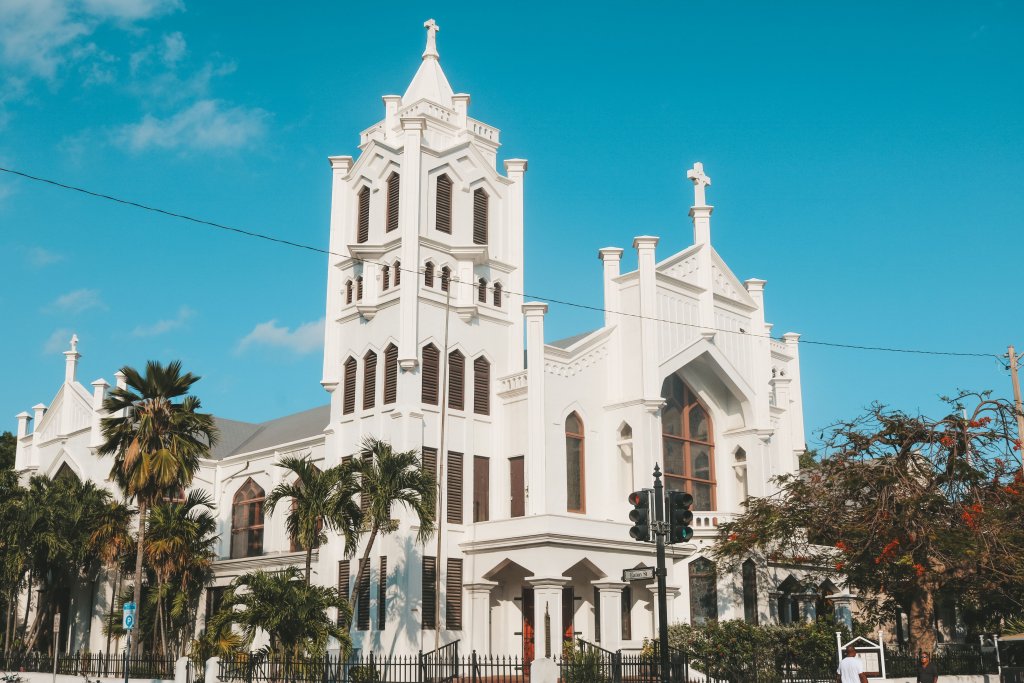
(703,591)
(247,520)
(688,446)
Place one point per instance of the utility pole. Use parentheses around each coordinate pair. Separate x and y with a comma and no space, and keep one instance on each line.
(1017,409)
(441,455)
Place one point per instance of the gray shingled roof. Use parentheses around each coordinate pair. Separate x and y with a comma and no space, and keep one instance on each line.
(569,341)
(245,437)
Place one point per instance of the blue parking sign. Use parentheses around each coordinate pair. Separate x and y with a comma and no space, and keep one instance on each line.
(128,620)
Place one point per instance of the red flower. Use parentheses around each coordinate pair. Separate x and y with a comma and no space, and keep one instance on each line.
(839,566)
(733,536)
(919,569)
(842,546)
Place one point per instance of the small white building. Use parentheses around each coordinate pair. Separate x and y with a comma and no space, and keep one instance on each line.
(543,442)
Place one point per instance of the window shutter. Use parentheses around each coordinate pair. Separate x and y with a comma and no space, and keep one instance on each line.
(348,403)
(363,220)
(390,374)
(446,278)
(348,292)
(481,291)
(444,204)
(429,462)
(428,275)
(363,598)
(481,386)
(343,583)
(382,594)
(429,605)
(479,216)
(517,482)
(497,294)
(456,380)
(453,595)
(364,495)
(398,273)
(597,614)
(359,288)
(385,277)
(431,361)
(369,380)
(454,488)
(481,488)
(392,217)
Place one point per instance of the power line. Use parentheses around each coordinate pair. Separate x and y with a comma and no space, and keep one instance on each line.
(562,302)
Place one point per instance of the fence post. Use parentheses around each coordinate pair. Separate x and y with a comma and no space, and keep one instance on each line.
(472,667)
(212,671)
(617,667)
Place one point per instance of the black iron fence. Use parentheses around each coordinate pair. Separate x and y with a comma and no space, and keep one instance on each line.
(110,665)
(953,659)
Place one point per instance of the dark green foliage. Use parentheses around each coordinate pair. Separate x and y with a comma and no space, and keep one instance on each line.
(8,445)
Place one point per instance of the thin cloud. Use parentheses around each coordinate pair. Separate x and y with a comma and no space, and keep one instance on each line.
(59,341)
(77,301)
(303,339)
(205,125)
(164,326)
(40,258)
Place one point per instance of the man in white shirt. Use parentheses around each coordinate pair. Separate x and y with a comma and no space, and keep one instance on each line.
(850,669)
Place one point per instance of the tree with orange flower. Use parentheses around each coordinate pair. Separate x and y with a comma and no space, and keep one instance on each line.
(905,509)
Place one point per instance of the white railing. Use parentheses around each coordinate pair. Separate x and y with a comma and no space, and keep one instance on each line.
(512,382)
(483,130)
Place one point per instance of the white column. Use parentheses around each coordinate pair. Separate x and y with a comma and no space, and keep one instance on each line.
(99,392)
(610,597)
(536,476)
(761,354)
(479,626)
(20,454)
(464,291)
(391,105)
(460,103)
(611,259)
(547,597)
(783,437)
(671,595)
(38,411)
(340,233)
(700,212)
(516,171)
(409,222)
(371,284)
(792,340)
(645,246)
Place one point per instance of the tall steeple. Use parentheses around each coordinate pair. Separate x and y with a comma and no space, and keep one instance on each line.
(429,83)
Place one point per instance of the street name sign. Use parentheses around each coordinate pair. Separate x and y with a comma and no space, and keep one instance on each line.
(638,574)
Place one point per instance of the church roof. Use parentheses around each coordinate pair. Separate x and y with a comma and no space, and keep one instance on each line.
(245,437)
(429,83)
(569,341)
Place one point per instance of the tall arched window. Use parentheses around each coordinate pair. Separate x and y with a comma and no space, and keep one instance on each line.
(481,386)
(575,471)
(480,201)
(497,294)
(481,291)
(444,204)
(398,273)
(348,399)
(348,292)
(385,277)
(247,520)
(390,374)
(428,274)
(430,374)
(750,592)
(446,278)
(392,208)
(363,218)
(688,444)
(369,380)
(703,591)
(359,288)
(456,380)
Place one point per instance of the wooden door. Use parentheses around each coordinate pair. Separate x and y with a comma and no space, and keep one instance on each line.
(517,482)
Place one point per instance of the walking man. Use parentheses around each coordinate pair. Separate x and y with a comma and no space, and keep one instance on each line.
(850,669)
(926,671)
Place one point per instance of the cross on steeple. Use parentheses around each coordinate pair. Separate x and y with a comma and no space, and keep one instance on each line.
(432,29)
(700,181)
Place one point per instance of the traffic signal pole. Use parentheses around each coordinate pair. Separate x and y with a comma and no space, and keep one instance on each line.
(660,531)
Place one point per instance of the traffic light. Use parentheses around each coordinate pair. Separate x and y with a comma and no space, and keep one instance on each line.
(640,515)
(679,517)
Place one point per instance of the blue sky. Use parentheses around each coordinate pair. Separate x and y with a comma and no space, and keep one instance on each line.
(866,159)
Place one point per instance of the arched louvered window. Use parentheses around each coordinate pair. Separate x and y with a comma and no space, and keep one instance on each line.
(688,444)
(480,200)
(482,386)
(456,380)
(392,209)
(431,367)
(390,374)
(398,273)
(428,275)
(369,380)
(497,294)
(348,292)
(348,398)
(481,291)
(444,204)
(385,277)
(247,520)
(363,217)
(575,471)
(446,278)
(359,288)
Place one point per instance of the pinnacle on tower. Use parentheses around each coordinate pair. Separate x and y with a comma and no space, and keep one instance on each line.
(429,83)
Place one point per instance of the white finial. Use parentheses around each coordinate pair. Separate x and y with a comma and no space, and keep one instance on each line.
(432,29)
(74,343)
(700,181)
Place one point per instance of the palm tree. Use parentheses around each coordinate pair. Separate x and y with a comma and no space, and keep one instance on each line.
(111,541)
(388,479)
(156,443)
(320,501)
(292,613)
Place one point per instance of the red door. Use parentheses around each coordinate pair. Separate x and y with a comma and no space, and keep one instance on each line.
(528,641)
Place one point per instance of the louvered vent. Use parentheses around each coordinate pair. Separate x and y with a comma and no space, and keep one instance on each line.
(481,291)
(444,204)
(390,374)
(481,386)
(428,588)
(456,381)
(429,462)
(393,192)
(398,273)
(359,288)
(348,403)
(385,278)
(428,275)
(480,200)
(497,294)
(454,475)
(348,292)
(431,361)
(382,594)
(363,222)
(343,585)
(369,380)
(446,278)
(363,598)
(453,595)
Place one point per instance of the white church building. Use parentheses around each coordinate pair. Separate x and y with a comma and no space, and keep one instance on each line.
(430,345)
